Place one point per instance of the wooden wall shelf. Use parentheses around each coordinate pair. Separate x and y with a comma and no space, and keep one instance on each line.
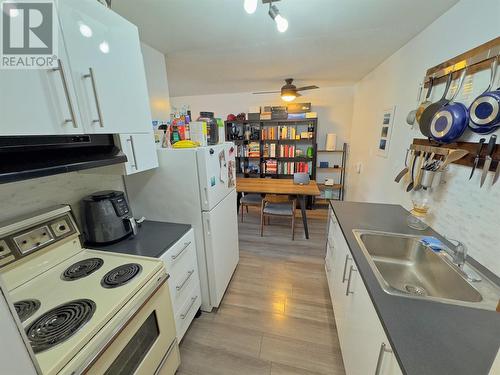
(472,147)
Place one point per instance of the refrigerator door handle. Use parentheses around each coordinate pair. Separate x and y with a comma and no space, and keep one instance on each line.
(208,227)
(206,194)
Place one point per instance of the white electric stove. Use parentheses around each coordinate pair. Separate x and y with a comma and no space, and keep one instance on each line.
(86,310)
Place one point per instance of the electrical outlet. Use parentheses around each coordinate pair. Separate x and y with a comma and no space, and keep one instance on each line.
(33,239)
(359,167)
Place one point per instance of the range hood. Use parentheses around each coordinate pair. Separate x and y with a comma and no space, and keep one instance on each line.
(25,157)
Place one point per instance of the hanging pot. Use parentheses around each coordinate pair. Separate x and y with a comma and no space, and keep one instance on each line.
(426,102)
(485,109)
(432,109)
(450,122)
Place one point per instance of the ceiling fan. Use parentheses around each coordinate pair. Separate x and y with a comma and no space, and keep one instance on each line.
(289,91)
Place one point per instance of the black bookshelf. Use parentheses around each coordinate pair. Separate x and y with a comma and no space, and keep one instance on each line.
(250,131)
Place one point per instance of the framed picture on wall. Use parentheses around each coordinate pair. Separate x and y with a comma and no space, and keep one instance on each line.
(384,138)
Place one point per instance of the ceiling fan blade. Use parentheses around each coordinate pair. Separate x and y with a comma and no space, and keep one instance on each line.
(267,92)
(298,94)
(307,88)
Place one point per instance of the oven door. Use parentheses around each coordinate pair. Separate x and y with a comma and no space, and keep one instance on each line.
(146,345)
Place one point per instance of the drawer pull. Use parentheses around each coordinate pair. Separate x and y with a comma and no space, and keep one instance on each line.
(179,287)
(347,290)
(184,314)
(345,267)
(175,256)
(383,349)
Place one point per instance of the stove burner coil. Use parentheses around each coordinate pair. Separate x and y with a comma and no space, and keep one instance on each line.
(120,275)
(59,324)
(26,308)
(82,268)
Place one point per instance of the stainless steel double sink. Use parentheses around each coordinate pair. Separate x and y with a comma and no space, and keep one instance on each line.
(405,266)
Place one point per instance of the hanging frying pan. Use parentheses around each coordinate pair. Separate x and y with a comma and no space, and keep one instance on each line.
(432,109)
(449,123)
(485,109)
(426,102)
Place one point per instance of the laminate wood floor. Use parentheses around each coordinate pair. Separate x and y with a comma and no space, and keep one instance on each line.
(276,316)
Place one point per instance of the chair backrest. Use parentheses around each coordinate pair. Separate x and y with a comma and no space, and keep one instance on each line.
(276,198)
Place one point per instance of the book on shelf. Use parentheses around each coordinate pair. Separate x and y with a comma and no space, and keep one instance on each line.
(287,151)
(270,166)
(254,150)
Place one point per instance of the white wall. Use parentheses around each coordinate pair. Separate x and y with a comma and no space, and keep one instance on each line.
(333,104)
(156,76)
(460,209)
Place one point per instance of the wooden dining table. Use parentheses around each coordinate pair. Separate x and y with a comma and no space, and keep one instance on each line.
(279,186)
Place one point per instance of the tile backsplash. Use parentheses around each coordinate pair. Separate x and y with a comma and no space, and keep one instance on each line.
(24,197)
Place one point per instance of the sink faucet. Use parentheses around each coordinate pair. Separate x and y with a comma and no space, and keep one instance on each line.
(459,253)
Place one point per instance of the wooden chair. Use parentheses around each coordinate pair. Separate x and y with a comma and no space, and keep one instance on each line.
(277,205)
(250,200)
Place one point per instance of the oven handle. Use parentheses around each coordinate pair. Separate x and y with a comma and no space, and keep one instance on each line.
(184,314)
(166,357)
(97,354)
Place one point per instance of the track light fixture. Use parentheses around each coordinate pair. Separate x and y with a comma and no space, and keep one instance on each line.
(281,22)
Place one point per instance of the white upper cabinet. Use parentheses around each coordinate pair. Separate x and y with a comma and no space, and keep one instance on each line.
(39,101)
(140,150)
(107,68)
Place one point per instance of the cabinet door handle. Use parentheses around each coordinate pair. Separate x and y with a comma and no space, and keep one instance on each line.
(131,140)
(96,97)
(383,349)
(347,291)
(347,259)
(184,314)
(60,69)
(175,256)
(181,285)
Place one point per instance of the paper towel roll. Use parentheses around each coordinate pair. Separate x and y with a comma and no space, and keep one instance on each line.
(331,142)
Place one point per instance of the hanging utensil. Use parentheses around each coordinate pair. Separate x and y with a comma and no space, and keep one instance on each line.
(412,172)
(450,122)
(497,173)
(485,109)
(431,109)
(418,179)
(478,155)
(426,102)
(454,155)
(487,162)
(404,171)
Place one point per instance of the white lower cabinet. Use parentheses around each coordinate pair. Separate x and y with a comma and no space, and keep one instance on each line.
(182,266)
(365,347)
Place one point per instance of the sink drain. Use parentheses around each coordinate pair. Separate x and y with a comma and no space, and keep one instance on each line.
(416,290)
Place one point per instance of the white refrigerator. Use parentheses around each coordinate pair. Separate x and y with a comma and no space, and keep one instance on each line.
(197,187)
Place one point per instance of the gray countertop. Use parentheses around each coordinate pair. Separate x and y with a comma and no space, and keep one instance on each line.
(152,240)
(428,338)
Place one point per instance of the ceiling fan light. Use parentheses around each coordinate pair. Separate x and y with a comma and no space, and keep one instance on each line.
(288,97)
(250,6)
